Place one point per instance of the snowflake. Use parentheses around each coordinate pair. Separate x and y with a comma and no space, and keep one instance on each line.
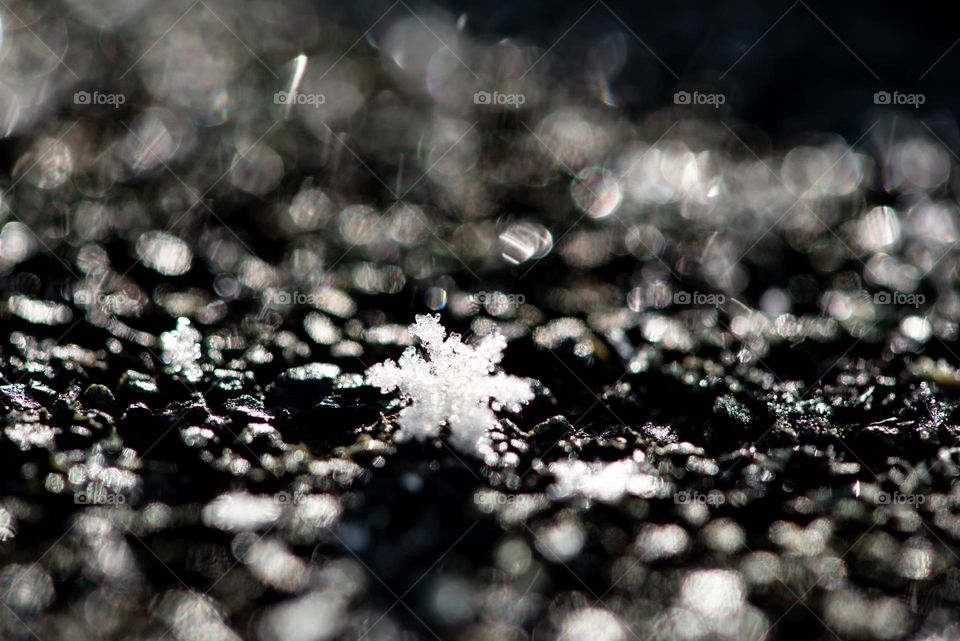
(181,351)
(457,387)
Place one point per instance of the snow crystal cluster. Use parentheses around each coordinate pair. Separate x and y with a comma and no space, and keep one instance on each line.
(456,386)
(181,351)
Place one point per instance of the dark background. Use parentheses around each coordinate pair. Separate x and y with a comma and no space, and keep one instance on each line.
(798,78)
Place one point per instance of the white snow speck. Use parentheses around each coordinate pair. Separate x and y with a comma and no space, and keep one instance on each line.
(181,350)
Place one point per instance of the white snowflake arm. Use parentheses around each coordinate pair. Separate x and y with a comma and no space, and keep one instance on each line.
(386,375)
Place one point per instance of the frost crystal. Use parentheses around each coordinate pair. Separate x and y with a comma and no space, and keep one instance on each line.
(456,386)
(181,350)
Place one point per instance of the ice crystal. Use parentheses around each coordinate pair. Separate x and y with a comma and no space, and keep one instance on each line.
(181,351)
(456,386)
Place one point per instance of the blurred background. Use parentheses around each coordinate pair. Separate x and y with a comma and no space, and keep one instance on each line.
(294,119)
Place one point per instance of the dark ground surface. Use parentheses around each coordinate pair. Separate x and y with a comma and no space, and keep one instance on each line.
(746,419)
